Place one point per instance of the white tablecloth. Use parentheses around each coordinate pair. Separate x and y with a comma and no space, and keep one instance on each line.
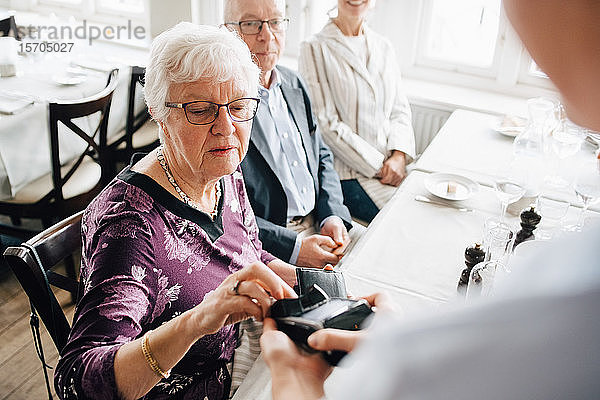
(467,145)
(412,251)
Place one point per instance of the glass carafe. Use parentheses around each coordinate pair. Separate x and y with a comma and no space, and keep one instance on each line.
(528,150)
(542,120)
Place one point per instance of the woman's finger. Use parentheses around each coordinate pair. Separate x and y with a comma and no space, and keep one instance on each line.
(270,281)
(256,292)
(240,307)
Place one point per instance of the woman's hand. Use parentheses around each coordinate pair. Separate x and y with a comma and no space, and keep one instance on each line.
(246,293)
(393,170)
(285,271)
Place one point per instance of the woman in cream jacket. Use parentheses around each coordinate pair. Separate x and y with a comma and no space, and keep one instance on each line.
(365,118)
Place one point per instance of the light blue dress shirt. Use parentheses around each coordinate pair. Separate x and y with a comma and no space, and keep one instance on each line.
(291,165)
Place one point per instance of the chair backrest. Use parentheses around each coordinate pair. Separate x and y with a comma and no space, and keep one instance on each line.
(31,263)
(134,122)
(96,138)
(8,26)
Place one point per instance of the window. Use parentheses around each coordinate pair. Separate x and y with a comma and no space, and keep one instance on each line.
(460,32)
(68,3)
(464,43)
(121,6)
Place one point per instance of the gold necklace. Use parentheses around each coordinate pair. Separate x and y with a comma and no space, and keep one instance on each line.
(186,199)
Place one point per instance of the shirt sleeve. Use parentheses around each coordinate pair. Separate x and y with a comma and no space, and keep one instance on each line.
(120,285)
(296,251)
(346,144)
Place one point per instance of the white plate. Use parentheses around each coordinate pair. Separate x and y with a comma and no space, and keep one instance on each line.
(69,79)
(438,184)
(509,126)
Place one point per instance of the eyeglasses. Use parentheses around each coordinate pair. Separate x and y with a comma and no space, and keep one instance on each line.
(206,112)
(254,27)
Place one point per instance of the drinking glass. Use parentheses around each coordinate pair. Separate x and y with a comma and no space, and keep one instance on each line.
(508,191)
(564,142)
(587,188)
(553,213)
(481,279)
(498,240)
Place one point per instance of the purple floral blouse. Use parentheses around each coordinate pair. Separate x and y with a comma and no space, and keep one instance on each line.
(146,258)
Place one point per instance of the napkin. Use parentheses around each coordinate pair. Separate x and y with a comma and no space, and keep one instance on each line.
(9,105)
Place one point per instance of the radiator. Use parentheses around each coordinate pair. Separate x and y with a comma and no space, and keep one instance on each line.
(427,121)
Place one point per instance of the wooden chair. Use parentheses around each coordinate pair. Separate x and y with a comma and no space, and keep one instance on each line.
(141,133)
(8,27)
(68,187)
(31,263)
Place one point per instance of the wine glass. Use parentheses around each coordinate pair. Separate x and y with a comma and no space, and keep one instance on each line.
(564,142)
(508,191)
(481,279)
(553,212)
(587,188)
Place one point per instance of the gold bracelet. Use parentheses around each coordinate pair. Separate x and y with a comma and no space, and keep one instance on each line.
(150,358)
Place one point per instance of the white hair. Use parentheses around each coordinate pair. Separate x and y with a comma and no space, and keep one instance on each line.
(187,53)
(228,7)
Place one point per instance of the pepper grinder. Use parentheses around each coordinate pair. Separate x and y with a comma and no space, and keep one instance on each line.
(473,256)
(529,220)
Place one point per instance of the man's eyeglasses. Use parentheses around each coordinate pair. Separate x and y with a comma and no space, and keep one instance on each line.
(206,112)
(254,27)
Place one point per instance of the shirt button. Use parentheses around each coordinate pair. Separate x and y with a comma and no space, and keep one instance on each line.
(285,135)
(295,163)
(304,190)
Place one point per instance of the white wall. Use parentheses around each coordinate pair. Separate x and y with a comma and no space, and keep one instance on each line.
(165,14)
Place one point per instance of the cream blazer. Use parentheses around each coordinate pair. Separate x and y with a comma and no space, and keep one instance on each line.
(361,109)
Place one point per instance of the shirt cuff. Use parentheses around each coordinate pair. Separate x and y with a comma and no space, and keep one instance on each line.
(328,218)
(296,251)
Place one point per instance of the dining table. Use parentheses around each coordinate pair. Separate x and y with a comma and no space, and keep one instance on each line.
(414,250)
(42,78)
(469,144)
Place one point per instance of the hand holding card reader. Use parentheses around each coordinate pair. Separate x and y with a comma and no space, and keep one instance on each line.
(315,310)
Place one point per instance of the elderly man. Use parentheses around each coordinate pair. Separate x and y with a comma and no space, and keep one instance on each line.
(288,170)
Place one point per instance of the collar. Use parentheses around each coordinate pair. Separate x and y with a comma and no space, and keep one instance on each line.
(276,81)
(331,30)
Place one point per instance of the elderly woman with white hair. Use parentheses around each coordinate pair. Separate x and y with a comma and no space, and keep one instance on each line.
(171,258)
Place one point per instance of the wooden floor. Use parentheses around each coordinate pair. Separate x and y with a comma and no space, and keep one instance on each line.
(21,375)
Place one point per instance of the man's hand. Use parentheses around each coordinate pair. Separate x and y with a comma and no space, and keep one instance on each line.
(296,374)
(393,170)
(334,228)
(316,251)
(337,339)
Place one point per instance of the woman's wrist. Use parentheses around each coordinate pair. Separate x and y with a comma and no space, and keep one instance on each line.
(286,271)
(192,324)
